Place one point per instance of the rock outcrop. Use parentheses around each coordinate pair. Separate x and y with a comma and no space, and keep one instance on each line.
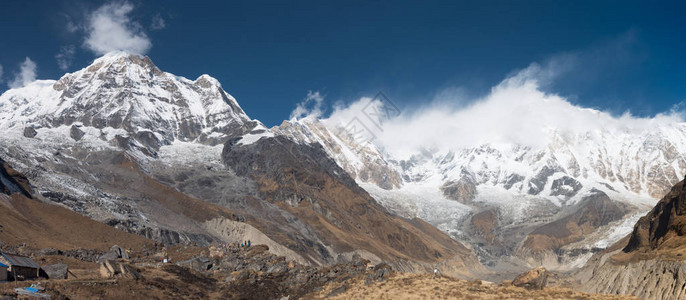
(114,253)
(29,132)
(664,226)
(12,181)
(76,133)
(113,268)
(536,278)
(56,271)
(462,190)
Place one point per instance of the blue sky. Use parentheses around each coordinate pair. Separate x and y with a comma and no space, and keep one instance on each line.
(611,55)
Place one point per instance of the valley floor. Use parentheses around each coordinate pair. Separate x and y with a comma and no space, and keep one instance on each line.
(254,273)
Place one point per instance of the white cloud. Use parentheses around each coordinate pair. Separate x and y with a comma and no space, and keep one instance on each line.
(26,75)
(109,28)
(311,106)
(515,112)
(65,57)
(158,22)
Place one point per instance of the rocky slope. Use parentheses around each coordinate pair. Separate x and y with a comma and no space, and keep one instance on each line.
(178,161)
(525,189)
(304,181)
(649,263)
(27,219)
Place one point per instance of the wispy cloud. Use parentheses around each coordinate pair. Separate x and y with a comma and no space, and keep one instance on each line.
(65,56)
(71,26)
(158,22)
(110,28)
(26,74)
(311,106)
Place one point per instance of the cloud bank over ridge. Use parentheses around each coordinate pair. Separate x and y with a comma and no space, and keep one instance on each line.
(516,111)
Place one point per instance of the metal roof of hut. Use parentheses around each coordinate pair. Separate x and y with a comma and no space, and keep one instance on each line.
(20,261)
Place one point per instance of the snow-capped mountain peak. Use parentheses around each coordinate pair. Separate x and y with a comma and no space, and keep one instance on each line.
(127,95)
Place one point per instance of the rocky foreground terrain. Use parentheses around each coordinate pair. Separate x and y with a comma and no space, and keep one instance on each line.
(252,273)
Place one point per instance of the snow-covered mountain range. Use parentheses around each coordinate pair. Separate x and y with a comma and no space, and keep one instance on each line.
(523,187)
(553,203)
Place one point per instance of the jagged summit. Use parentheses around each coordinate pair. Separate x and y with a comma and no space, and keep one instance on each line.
(126,95)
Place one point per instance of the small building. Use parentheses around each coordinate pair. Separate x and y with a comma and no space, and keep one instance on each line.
(3,272)
(20,267)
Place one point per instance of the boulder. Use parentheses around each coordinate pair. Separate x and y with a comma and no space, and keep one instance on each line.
(536,278)
(380,272)
(76,133)
(122,253)
(201,264)
(116,249)
(109,255)
(114,253)
(29,132)
(112,268)
(56,271)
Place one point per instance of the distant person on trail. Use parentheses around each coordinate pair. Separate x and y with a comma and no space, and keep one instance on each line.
(248,243)
(436,273)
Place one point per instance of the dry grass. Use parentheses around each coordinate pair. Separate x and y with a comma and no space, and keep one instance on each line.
(414,286)
(42,225)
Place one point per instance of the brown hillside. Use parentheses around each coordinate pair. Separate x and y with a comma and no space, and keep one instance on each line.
(305,182)
(591,213)
(42,225)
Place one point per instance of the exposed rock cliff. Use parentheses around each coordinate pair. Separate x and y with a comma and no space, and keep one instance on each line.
(650,262)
